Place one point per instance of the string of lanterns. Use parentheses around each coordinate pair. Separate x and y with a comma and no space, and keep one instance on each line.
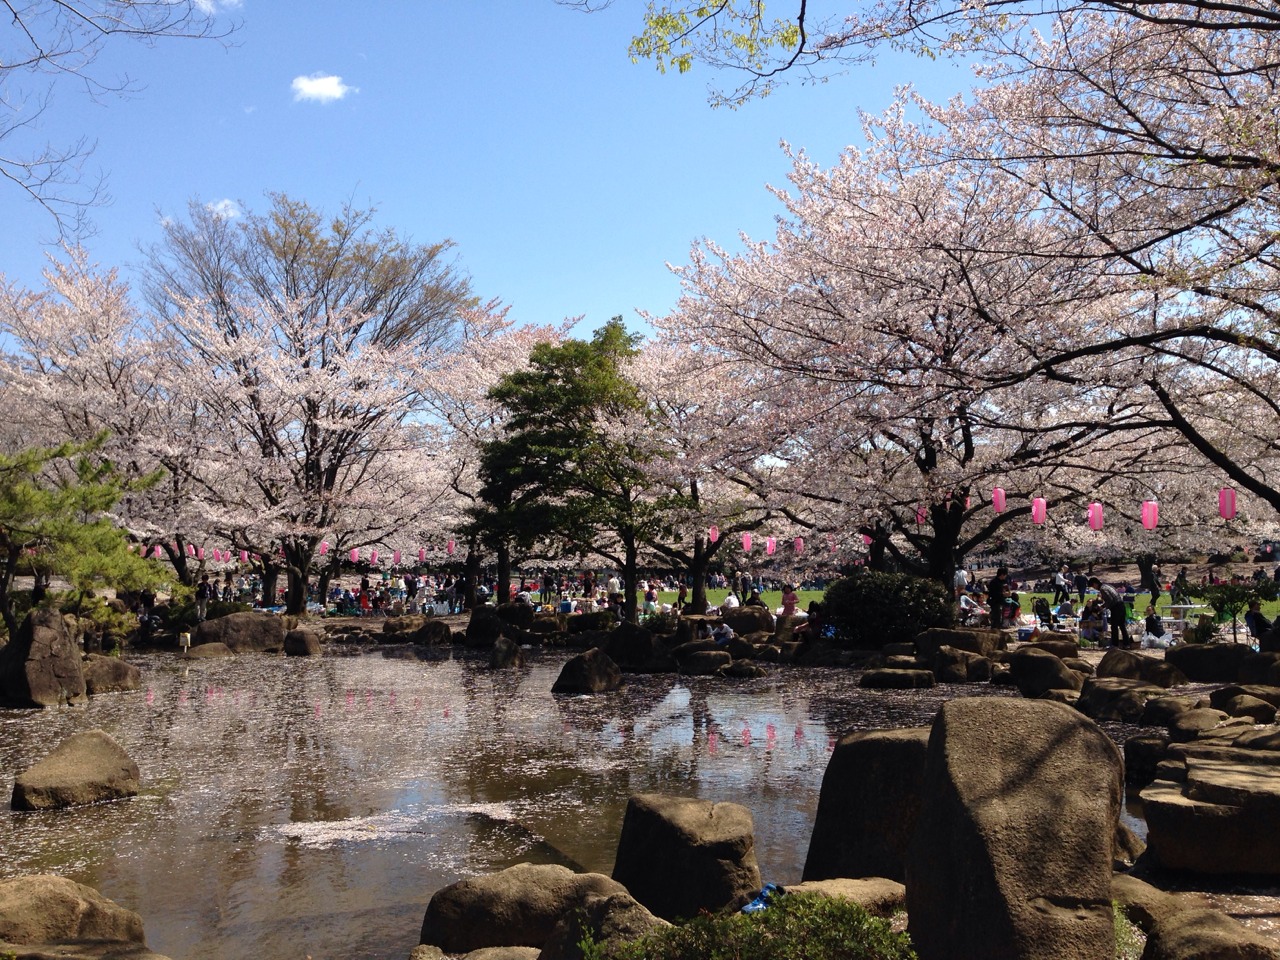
(1150,509)
(218,555)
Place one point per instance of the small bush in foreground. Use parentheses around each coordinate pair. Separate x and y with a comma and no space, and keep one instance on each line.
(794,927)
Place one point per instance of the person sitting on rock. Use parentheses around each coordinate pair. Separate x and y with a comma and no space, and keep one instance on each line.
(971,608)
(730,602)
(722,634)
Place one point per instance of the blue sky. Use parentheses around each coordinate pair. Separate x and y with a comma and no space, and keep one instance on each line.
(567,175)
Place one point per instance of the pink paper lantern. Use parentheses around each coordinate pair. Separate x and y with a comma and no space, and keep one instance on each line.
(866,539)
(373,556)
(1150,514)
(921,515)
(831,542)
(713,533)
(770,545)
(200,553)
(324,547)
(1039,510)
(395,557)
(1095,516)
(156,551)
(355,555)
(244,556)
(799,545)
(422,554)
(1227,503)
(998,499)
(746,543)
(449,548)
(191,550)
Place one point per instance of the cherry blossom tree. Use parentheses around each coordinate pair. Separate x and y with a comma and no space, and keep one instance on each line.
(81,364)
(307,345)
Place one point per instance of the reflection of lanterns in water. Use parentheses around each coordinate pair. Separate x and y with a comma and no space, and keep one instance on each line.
(746,736)
(713,741)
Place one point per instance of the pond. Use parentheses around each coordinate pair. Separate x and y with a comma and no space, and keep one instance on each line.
(310,807)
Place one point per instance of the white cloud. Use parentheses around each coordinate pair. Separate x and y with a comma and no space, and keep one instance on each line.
(321,88)
(227,209)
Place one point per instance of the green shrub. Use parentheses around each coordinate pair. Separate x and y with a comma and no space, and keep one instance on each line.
(660,623)
(794,927)
(871,608)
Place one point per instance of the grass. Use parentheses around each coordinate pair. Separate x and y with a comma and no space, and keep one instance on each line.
(772,598)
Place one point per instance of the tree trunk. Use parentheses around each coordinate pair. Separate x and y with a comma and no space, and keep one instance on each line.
(630,578)
(470,573)
(270,577)
(698,564)
(504,572)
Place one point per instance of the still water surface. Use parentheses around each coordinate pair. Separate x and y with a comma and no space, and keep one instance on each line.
(310,807)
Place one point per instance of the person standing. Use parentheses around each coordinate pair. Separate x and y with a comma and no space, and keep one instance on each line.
(1081,584)
(1117,612)
(997,594)
(204,590)
(1061,585)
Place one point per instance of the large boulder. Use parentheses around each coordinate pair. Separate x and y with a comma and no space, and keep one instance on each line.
(1218,819)
(679,856)
(1036,671)
(985,643)
(1209,662)
(432,633)
(952,665)
(1223,696)
(109,675)
(302,642)
(484,627)
(868,805)
(1013,847)
(1206,934)
(244,632)
(704,663)
(43,910)
(517,907)
(41,667)
(87,767)
(518,615)
(1063,648)
(209,651)
(505,655)
(1115,698)
(590,672)
(876,895)
(748,619)
(611,921)
(1137,666)
(1260,668)
(632,647)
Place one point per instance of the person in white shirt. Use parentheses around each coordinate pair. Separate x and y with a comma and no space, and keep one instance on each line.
(613,586)
(730,601)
